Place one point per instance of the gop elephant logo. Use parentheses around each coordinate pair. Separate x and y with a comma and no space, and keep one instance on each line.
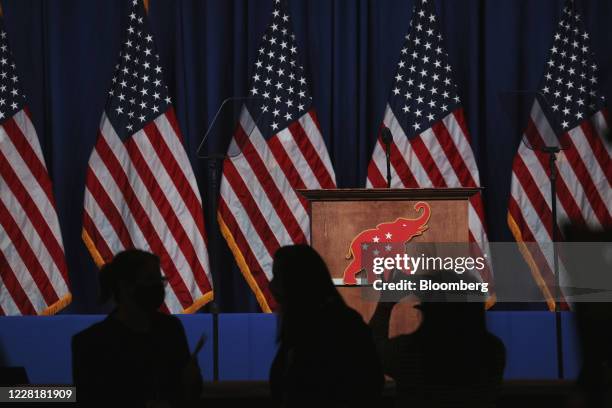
(401,231)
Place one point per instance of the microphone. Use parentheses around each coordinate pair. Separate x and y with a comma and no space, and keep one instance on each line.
(387,137)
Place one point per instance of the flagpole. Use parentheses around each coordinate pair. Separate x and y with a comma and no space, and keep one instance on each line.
(146,5)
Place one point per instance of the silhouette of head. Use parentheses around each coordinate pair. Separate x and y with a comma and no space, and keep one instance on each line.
(133,278)
(302,287)
(301,279)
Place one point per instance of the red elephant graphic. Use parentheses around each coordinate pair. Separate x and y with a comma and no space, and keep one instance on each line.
(401,230)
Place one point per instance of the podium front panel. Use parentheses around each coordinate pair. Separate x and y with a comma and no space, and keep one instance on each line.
(336,222)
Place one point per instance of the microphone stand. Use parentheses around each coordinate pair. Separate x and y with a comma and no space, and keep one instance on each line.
(552,159)
(221,127)
(388,154)
(551,149)
(386,138)
(214,162)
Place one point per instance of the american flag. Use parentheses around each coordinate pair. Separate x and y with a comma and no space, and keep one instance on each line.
(33,273)
(281,149)
(140,190)
(576,109)
(431,144)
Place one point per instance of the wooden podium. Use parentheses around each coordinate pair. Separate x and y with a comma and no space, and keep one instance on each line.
(337,216)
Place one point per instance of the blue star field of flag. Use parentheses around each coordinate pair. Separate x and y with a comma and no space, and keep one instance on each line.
(423,91)
(570,82)
(12,99)
(138,94)
(279,90)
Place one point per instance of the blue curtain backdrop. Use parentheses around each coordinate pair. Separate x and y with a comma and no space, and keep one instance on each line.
(66,50)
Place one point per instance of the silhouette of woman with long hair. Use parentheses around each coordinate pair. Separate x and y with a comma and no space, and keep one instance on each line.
(326,354)
(136,355)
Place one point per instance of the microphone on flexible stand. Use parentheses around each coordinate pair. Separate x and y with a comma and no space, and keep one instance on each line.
(386,139)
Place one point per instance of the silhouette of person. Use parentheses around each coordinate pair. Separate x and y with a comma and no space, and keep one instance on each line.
(593,318)
(326,354)
(451,360)
(137,354)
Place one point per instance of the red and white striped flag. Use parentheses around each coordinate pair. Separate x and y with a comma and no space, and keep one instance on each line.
(584,167)
(431,144)
(280,150)
(140,190)
(33,273)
